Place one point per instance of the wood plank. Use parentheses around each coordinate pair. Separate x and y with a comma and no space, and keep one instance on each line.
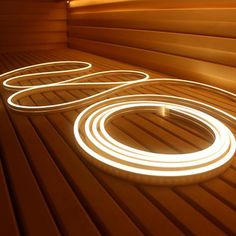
(66,207)
(23,17)
(21,22)
(142,4)
(211,206)
(218,75)
(13,8)
(206,48)
(211,14)
(28,200)
(31,47)
(32,26)
(218,22)
(32,38)
(8,224)
(177,208)
(84,182)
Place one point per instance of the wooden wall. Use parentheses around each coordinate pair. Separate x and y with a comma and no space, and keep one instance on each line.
(32,25)
(190,39)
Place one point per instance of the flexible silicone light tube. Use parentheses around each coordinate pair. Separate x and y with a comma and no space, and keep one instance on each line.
(100,148)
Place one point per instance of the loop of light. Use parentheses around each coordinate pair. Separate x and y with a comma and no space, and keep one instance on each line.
(23,91)
(104,151)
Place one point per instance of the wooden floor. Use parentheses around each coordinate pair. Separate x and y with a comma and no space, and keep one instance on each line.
(47,188)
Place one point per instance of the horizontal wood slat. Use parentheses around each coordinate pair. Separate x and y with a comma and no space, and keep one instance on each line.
(218,22)
(30,47)
(192,69)
(157,4)
(34,38)
(215,49)
(20,21)
(194,40)
(24,26)
(150,16)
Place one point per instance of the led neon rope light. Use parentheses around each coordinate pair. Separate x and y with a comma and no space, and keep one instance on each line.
(104,151)
(23,90)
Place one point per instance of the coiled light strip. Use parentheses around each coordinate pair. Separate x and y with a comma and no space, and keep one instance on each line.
(90,132)
(115,157)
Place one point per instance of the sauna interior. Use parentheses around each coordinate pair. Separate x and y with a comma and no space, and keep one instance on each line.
(117,117)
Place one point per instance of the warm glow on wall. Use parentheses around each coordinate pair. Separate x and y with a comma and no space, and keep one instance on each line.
(82,3)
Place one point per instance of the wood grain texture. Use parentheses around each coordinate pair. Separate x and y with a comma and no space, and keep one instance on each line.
(189,39)
(32,25)
(49,189)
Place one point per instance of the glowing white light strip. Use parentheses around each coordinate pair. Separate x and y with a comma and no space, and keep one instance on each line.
(65,84)
(106,152)
(20,78)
